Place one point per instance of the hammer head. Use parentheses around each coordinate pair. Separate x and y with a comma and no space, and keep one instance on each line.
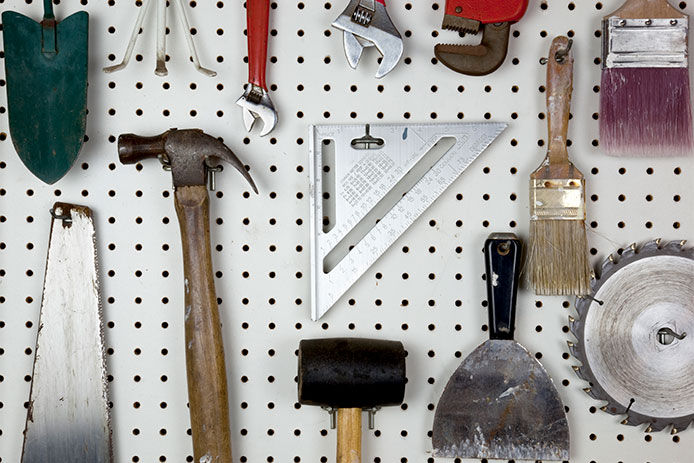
(188,152)
(351,372)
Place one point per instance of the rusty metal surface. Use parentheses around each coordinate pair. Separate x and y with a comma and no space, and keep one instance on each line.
(501,404)
(189,153)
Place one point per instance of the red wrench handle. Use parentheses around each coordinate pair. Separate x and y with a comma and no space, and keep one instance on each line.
(257,18)
(488,11)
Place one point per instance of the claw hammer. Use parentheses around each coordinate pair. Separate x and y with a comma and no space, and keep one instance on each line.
(190,154)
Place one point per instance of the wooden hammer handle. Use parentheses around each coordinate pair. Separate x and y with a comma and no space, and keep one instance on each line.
(349,435)
(207,382)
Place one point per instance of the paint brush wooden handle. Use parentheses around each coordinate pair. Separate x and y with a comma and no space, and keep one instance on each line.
(646,9)
(207,381)
(560,65)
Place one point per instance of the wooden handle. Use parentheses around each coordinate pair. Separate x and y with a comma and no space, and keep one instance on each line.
(560,65)
(645,9)
(207,381)
(349,435)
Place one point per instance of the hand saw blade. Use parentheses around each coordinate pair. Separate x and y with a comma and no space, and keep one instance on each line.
(68,418)
(364,178)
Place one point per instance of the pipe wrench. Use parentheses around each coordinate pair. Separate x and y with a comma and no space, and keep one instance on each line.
(494,19)
(255,101)
(366,23)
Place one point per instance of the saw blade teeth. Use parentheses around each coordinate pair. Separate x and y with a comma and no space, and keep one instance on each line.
(612,264)
(629,251)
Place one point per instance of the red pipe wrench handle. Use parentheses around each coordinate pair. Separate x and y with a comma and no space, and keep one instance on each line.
(487,11)
(257,19)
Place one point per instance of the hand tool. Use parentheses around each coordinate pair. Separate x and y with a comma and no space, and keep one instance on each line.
(365,23)
(191,156)
(494,19)
(347,376)
(635,336)
(645,107)
(558,257)
(500,403)
(46,73)
(379,184)
(161,70)
(255,101)
(68,416)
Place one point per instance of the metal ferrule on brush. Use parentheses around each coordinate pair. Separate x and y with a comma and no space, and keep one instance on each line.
(557,199)
(645,43)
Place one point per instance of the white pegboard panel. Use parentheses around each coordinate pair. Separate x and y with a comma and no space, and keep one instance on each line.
(426,290)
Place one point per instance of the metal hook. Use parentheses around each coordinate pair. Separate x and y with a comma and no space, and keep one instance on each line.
(66,218)
(666,336)
(560,54)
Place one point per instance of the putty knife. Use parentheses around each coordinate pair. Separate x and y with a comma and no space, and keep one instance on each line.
(500,403)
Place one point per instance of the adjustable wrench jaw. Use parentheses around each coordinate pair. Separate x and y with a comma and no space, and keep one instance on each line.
(365,23)
(494,19)
(256,104)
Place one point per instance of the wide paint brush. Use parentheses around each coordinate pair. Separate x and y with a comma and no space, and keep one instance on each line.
(645,107)
(558,257)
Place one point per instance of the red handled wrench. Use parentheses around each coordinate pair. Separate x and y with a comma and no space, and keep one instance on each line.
(255,100)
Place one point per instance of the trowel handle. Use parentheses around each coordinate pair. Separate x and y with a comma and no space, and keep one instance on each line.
(502,261)
(48,9)
(349,435)
(207,380)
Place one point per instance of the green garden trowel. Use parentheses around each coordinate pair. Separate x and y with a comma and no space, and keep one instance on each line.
(46,73)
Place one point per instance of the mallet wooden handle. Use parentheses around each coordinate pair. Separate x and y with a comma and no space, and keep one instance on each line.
(207,383)
(349,435)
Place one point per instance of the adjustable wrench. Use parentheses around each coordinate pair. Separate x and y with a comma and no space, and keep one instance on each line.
(366,23)
(255,100)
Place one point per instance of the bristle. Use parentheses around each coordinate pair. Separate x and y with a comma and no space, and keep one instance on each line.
(558,258)
(645,112)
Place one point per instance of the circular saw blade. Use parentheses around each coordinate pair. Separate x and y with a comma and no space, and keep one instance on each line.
(629,356)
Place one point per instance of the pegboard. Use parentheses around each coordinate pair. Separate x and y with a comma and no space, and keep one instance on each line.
(426,290)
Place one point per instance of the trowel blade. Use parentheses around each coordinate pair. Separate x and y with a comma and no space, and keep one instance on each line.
(501,404)
(68,418)
(46,91)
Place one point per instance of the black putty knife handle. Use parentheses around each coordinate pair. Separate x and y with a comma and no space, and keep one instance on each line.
(502,261)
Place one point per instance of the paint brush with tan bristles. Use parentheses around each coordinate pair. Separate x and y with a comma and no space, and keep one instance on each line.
(558,256)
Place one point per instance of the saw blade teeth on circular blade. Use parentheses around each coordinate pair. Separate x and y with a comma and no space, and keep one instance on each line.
(657,309)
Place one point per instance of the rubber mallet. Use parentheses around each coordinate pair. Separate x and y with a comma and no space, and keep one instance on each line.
(347,376)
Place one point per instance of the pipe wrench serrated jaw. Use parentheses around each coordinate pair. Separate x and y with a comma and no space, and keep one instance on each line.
(493,18)
(256,104)
(365,23)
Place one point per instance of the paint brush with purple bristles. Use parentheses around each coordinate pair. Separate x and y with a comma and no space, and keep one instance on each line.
(645,107)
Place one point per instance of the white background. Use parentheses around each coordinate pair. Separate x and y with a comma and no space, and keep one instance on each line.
(262,241)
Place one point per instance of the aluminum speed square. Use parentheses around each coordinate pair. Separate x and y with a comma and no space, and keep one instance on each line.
(369,183)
